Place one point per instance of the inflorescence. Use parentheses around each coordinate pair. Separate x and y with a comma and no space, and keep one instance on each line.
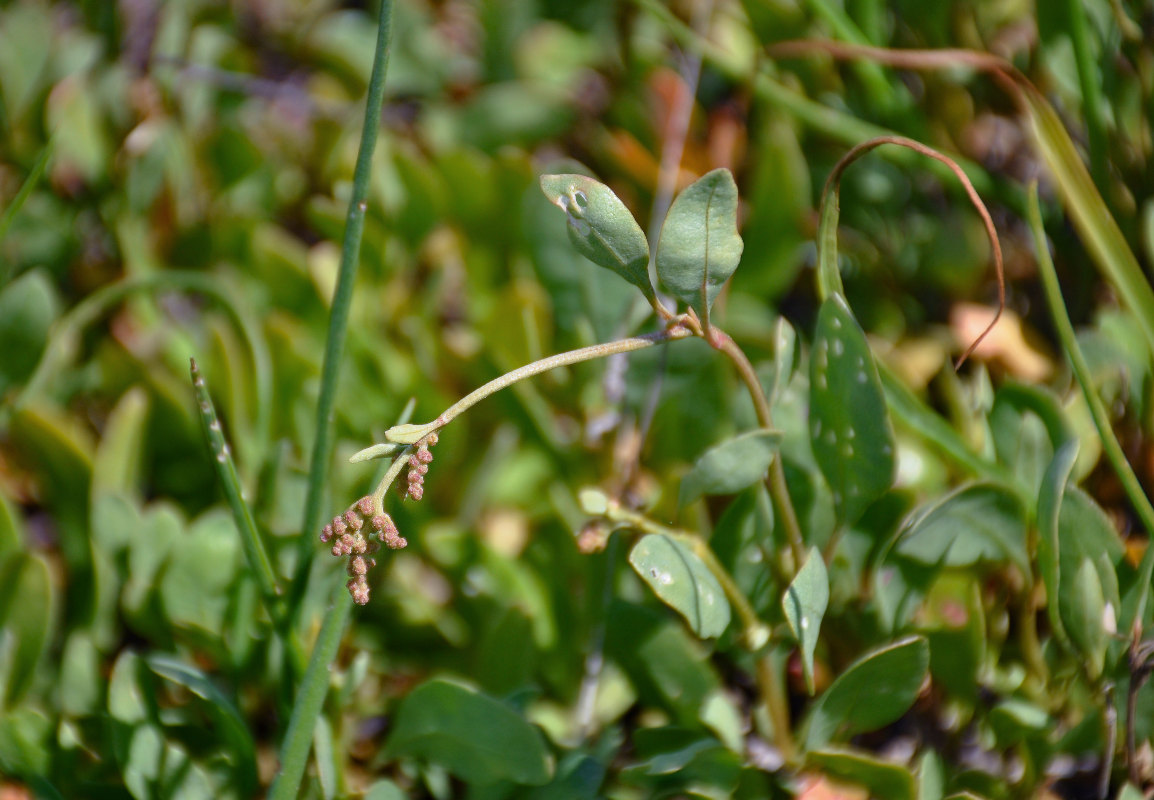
(364,527)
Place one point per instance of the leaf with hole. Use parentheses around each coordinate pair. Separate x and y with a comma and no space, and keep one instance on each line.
(601,227)
(849,427)
(731,466)
(873,692)
(475,737)
(804,603)
(700,247)
(682,581)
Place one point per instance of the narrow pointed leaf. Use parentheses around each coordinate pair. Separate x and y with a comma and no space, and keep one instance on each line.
(849,426)
(804,603)
(601,227)
(700,247)
(683,582)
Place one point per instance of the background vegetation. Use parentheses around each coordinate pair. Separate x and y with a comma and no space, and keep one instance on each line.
(175,179)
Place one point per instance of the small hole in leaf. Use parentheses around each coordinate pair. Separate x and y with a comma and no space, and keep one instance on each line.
(581,200)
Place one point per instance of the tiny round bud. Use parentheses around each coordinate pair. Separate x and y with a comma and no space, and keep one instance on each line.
(356,523)
(347,543)
(414,476)
(359,589)
(365,505)
(416,491)
(339,526)
(379,521)
(424,455)
(422,469)
(326,533)
(414,462)
(360,544)
(358,565)
(432,439)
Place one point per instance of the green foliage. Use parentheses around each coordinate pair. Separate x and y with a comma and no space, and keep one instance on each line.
(848,561)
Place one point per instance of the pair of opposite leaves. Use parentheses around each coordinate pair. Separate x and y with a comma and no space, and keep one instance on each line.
(698,250)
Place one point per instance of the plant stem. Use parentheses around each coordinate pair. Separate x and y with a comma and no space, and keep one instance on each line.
(775,481)
(771,684)
(536,368)
(343,295)
(254,549)
(1110,445)
(1089,77)
(310,698)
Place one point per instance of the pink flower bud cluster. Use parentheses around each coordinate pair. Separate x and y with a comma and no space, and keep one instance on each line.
(419,461)
(351,539)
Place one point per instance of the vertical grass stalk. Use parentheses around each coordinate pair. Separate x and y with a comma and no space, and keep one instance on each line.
(311,694)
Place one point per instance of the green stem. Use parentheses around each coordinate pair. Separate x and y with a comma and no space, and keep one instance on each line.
(775,481)
(1088,78)
(254,549)
(1110,445)
(410,434)
(343,295)
(294,753)
(24,192)
(771,684)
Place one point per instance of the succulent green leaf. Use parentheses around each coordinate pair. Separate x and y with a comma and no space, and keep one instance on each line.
(804,603)
(682,581)
(983,522)
(28,307)
(730,466)
(1087,540)
(471,735)
(27,607)
(1085,622)
(873,692)
(882,778)
(849,425)
(1050,496)
(601,227)
(700,247)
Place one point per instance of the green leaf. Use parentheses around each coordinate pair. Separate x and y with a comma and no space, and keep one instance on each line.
(700,247)
(730,466)
(27,608)
(804,603)
(28,307)
(475,737)
(1086,540)
(882,778)
(874,691)
(682,581)
(979,523)
(1050,497)
(849,428)
(601,227)
(1084,623)
(116,464)
(227,720)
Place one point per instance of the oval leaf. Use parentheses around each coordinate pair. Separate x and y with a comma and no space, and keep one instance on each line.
(28,307)
(804,603)
(730,466)
(601,227)
(1086,540)
(683,582)
(876,690)
(475,737)
(700,247)
(849,428)
(979,523)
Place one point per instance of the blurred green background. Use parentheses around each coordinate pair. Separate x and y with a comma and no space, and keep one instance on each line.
(188,165)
